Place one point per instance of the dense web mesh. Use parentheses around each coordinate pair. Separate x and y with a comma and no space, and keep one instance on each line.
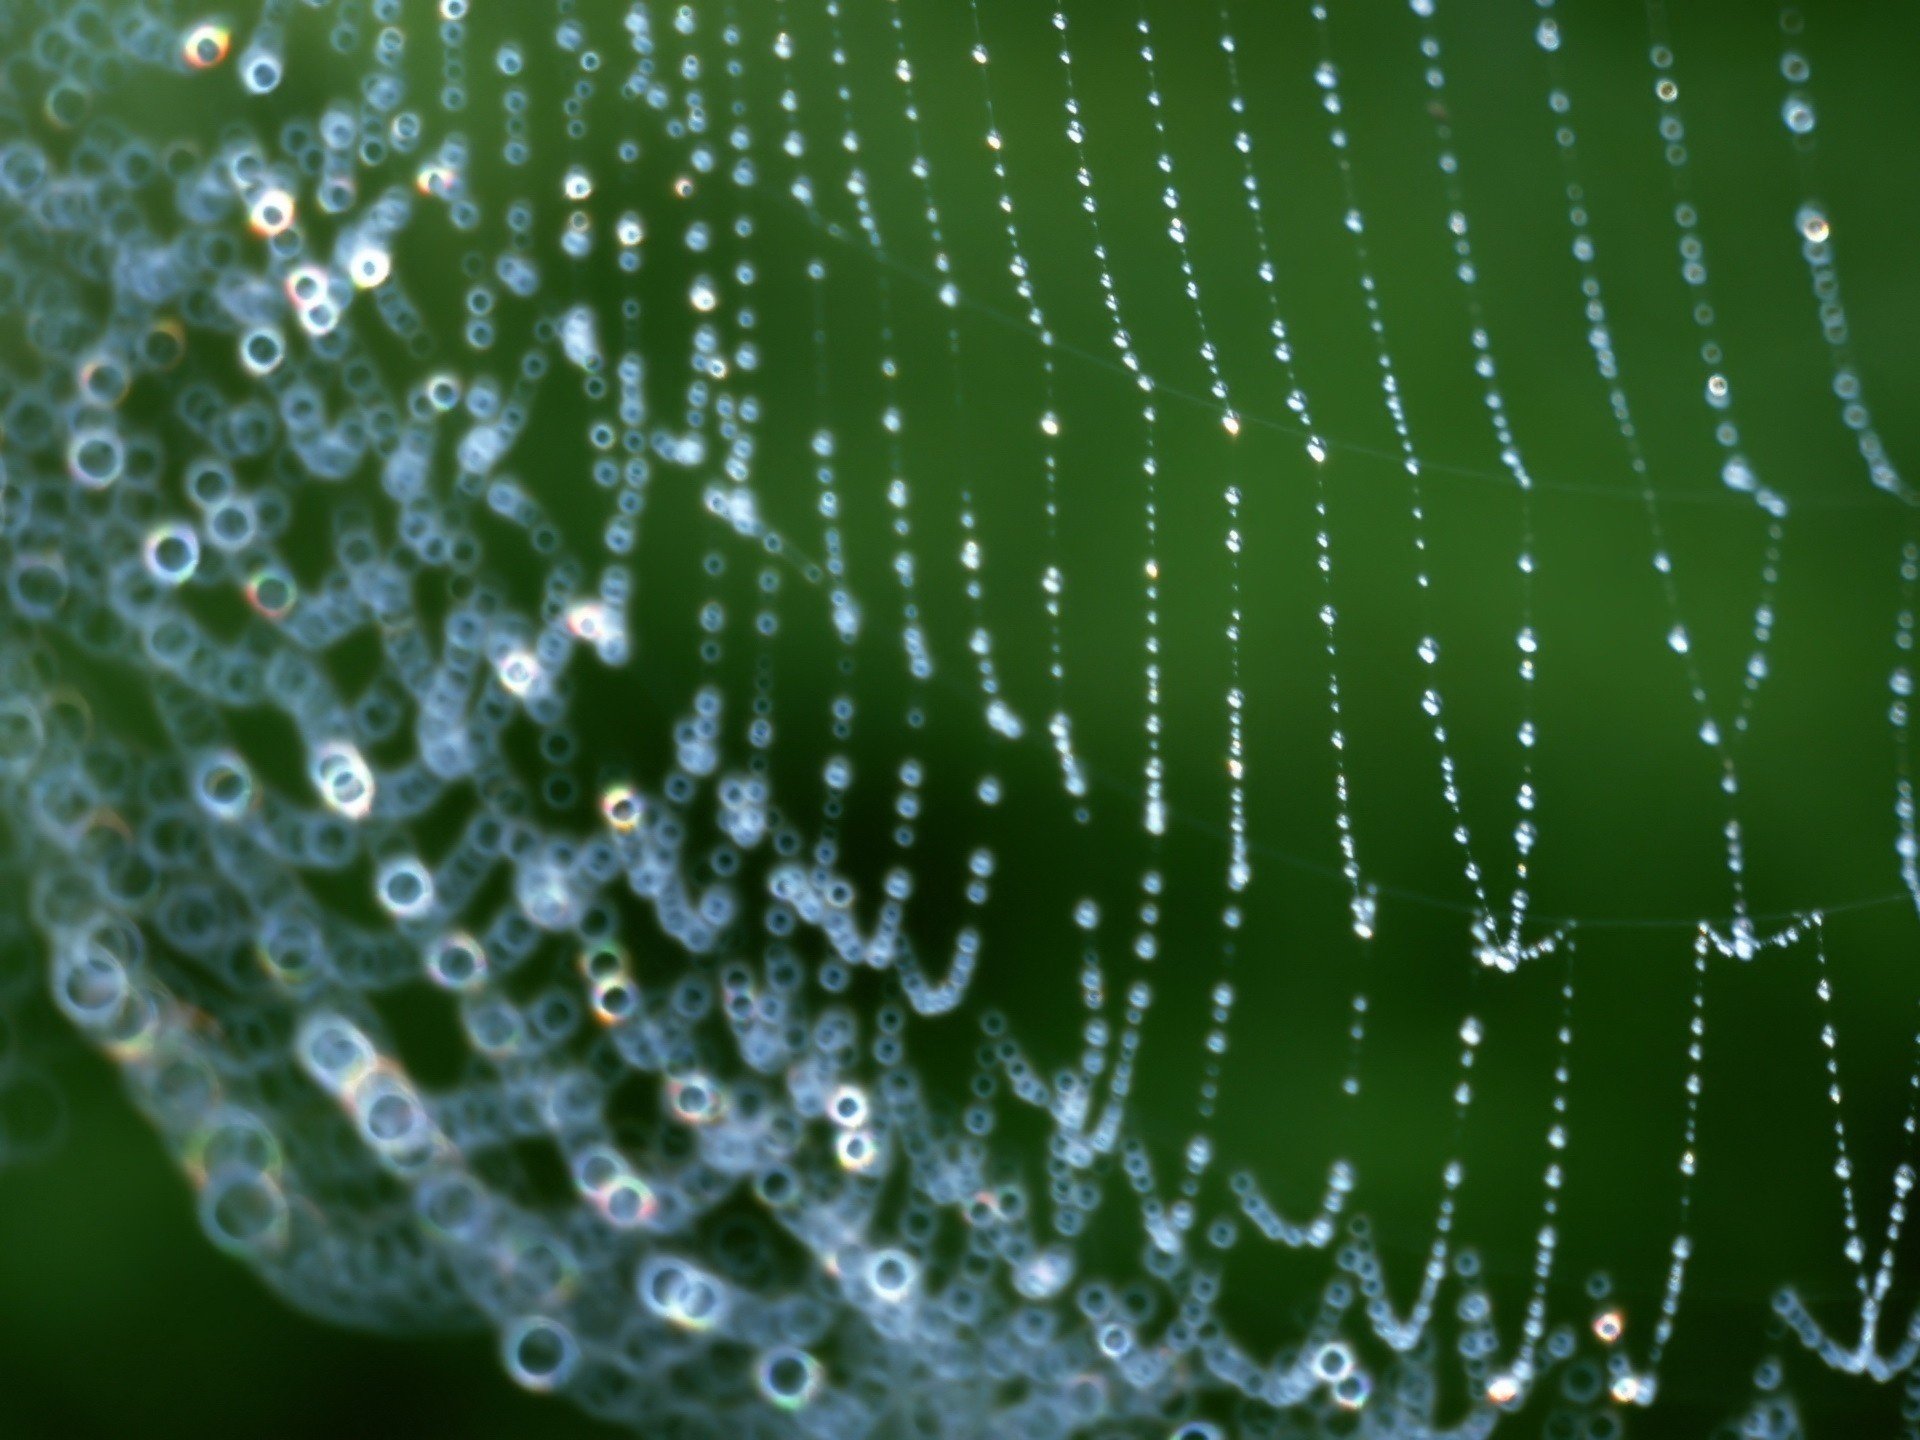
(874,717)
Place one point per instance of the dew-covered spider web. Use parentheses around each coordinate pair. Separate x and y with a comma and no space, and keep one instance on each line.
(1178,718)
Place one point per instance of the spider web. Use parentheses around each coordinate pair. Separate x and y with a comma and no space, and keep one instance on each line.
(1053,719)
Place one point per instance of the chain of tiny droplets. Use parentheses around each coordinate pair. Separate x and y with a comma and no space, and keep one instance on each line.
(1907,851)
(453,56)
(1404,1335)
(1327,77)
(601,620)
(1074,776)
(1628,1384)
(1363,901)
(1508,951)
(1520,1371)
(744,319)
(800,187)
(1549,36)
(715,613)
(1070,1103)
(583,618)
(1855,1247)
(892,420)
(841,708)
(709,360)
(1177,226)
(1154,815)
(737,415)
(1075,1108)
(794,143)
(1811,223)
(630,240)
(1864,1356)
(1362,897)
(907,801)
(518,148)
(525,671)
(1735,472)
(1900,684)
(1154,820)
(1317,1233)
(1397,1333)
(1053,581)
(1239,861)
(920,663)
(920,167)
(839,773)
(908,777)
(339,180)
(628,235)
(630,479)
(705,297)
(1001,717)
